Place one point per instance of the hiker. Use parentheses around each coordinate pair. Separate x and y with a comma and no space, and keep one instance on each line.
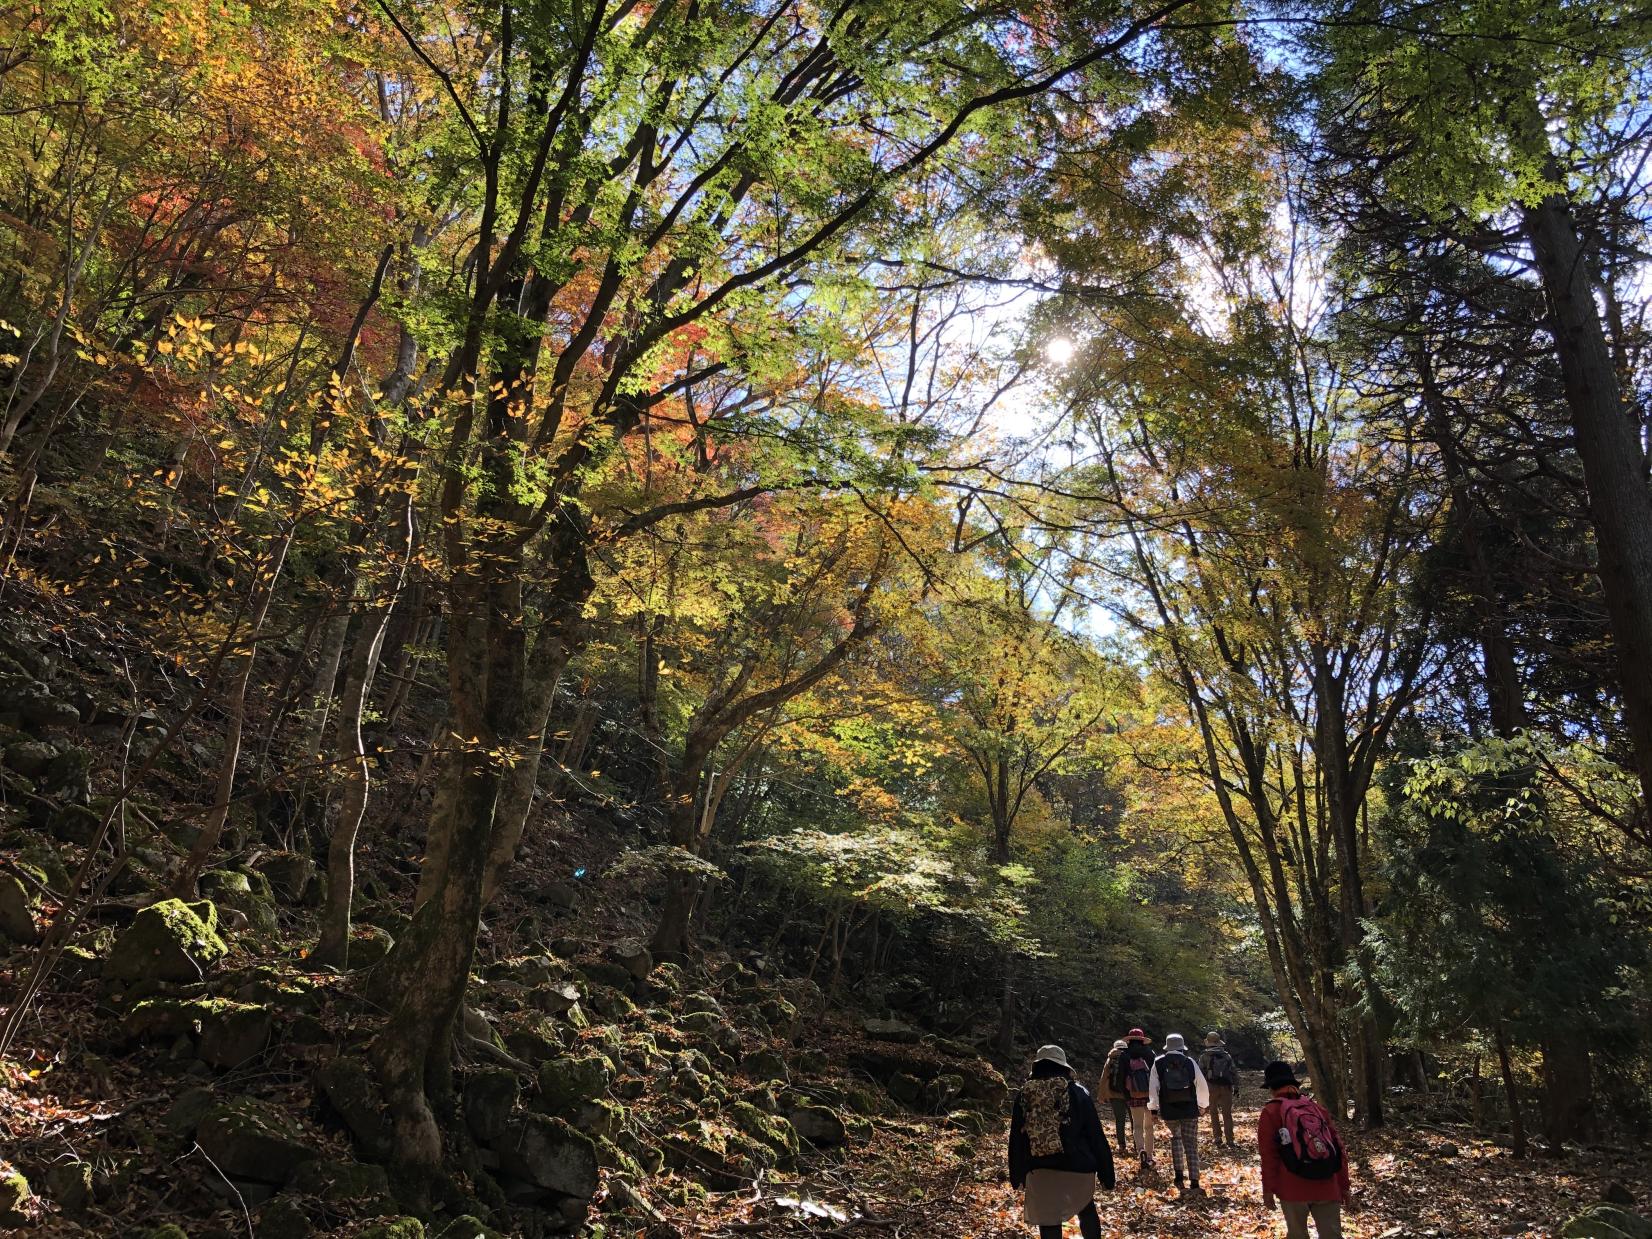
(1133,1077)
(1304,1166)
(1115,1097)
(1057,1148)
(1223,1077)
(1178,1094)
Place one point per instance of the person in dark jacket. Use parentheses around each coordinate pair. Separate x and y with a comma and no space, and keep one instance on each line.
(1057,1148)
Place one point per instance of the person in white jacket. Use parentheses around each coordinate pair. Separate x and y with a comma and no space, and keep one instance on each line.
(1178,1093)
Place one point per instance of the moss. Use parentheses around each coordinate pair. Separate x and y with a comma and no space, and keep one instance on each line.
(14,1190)
(169,941)
(772,1130)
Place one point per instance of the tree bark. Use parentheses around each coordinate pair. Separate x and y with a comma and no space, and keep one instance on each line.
(1517,1128)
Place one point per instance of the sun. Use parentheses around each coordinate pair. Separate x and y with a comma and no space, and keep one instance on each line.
(1060,350)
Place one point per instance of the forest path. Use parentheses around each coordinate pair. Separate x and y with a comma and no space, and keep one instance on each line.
(933,1179)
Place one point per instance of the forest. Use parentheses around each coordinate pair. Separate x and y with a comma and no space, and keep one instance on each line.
(612,610)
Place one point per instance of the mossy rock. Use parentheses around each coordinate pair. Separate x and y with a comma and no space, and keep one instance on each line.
(14,1194)
(766,1065)
(293,878)
(468,1227)
(567,1083)
(601,1118)
(343,1184)
(246,893)
(369,945)
(166,1018)
(18,900)
(667,978)
(284,1218)
(170,1230)
(819,1125)
(43,858)
(168,941)
(234,1033)
(550,1154)
(772,1130)
(353,1095)
(252,1139)
(395,1228)
(1607,1222)
(609,1003)
(69,1186)
(490,1097)
(185,1114)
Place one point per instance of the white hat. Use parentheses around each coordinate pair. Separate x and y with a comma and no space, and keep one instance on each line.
(1052,1054)
(1121,1044)
(1175,1041)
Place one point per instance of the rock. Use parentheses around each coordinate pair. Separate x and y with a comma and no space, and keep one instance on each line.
(235,1033)
(1607,1222)
(941,1092)
(691,1084)
(284,1218)
(168,1231)
(41,856)
(554,998)
(1446,1149)
(906,1088)
(165,1018)
(667,978)
(563,896)
(293,878)
(772,1130)
(766,1065)
(550,1154)
(601,1118)
(897,1031)
(395,1228)
(632,955)
(353,1096)
(186,1113)
(247,893)
(604,972)
(819,1125)
(1618,1194)
(251,1139)
(69,1186)
(369,945)
(168,941)
(34,705)
(29,758)
(490,1096)
(341,1183)
(467,1227)
(703,1002)
(68,775)
(14,1194)
(74,823)
(567,1083)
(18,899)
(609,1003)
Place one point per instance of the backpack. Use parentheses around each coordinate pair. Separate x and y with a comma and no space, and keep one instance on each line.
(1308,1143)
(1135,1071)
(1175,1077)
(1220,1070)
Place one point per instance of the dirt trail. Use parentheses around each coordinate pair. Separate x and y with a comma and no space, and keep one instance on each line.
(933,1179)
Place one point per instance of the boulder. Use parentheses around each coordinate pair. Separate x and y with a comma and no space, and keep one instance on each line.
(941,1092)
(632,955)
(604,972)
(819,1125)
(766,1065)
(341,1184)
(369,945)
(1607,1222)
(395,1228)
(772,1130)
(29,758)
(34,705)
(353,1096)
(165,1018)
(554,998)
(897,1031)
(293,878)
(69,1186)
(567,1083)
(168,941)
(14,1194)
(549,1154)
(467,1227)
(39,856)
(74,823)
(284,1218)
(185,1114)
(251,1139)
(906,1088)
(234,1033)
(18,899)
(247,893)
(68,776)
(490,1097)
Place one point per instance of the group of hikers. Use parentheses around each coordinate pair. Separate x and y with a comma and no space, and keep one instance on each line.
(1058,1150)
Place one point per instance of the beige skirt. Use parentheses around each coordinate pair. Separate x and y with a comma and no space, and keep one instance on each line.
(1054,1196)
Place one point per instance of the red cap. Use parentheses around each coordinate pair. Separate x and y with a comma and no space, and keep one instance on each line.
(1135,1034)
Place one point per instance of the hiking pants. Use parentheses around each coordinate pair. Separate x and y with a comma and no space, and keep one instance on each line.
(1089,1225)
(1141,1131)
(1221,1110)
(1184,1147)
(1327,1216)
(1121,1120)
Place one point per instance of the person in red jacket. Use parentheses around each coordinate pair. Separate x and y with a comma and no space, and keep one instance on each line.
(1304,1162)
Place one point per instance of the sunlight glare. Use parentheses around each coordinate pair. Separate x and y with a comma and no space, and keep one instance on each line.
(1060,350)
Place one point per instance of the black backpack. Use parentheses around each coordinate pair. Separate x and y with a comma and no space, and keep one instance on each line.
(1220,1070)
(1175,1077)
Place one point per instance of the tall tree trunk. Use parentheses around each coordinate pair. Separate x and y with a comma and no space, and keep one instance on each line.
(1517,1127)
(1568,1087)
(1614,466)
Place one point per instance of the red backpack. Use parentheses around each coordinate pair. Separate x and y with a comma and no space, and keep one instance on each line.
(1308,1143)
